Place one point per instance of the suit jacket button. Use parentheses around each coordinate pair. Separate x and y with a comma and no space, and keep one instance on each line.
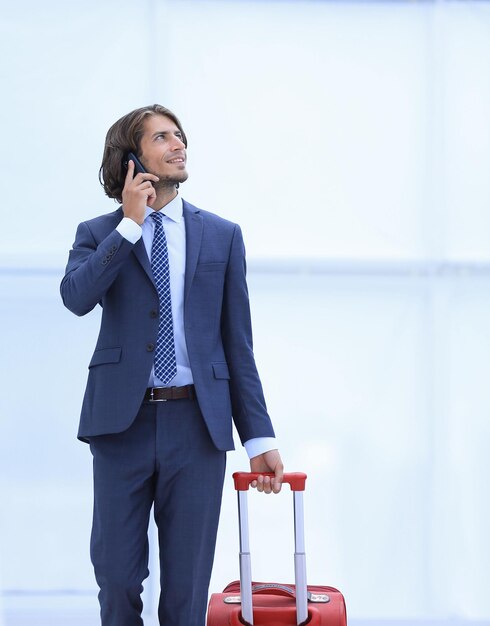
(153,314)
(150,347)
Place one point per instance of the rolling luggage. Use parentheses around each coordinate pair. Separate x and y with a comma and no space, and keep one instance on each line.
(274,604)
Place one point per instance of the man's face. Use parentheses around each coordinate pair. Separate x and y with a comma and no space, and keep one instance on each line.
(163,150)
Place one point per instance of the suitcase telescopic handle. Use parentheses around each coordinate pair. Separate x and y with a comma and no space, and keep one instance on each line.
(297,482)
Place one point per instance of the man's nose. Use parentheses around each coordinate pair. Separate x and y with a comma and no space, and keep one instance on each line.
(178,144)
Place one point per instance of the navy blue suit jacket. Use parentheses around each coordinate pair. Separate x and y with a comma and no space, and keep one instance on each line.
(105,268)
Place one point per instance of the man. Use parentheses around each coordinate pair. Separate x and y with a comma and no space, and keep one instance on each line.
(173,365)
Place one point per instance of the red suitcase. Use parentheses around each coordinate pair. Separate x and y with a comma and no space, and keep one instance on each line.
(273,604)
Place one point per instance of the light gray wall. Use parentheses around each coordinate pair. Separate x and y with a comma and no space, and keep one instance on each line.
(351,142)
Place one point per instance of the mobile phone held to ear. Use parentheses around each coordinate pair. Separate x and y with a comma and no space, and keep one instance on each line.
(138,167)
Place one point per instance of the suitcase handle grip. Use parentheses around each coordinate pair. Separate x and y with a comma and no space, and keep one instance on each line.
(274,589)
(296,480)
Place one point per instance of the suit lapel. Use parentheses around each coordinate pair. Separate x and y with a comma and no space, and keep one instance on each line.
(142,256)
(193,237)
(139,247)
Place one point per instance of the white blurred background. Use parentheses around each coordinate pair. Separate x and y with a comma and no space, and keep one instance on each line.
(351,141)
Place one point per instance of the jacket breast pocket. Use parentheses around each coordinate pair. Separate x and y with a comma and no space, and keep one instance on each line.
(211,267)
(105,355)
(221,371)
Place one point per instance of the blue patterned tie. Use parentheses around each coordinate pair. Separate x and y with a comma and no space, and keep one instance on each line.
(165,361)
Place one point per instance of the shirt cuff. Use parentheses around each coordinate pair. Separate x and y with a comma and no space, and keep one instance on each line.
(129,229)
(259,445)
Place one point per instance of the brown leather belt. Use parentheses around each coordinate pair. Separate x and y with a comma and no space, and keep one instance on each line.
(162,394)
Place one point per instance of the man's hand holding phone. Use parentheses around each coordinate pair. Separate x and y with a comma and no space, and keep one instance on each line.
(138,193)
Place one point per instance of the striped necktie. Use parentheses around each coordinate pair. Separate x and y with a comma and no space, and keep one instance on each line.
(165,361)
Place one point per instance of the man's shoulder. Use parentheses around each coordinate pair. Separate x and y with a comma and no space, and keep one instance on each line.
(209,217)
(102,225)
(107,219)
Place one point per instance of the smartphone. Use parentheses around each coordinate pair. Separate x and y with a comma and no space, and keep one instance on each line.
(138,167)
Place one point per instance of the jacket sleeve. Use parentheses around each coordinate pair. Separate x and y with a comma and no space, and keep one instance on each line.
(92,268)
(247,397)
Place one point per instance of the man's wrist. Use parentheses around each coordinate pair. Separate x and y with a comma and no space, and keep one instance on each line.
(259,445)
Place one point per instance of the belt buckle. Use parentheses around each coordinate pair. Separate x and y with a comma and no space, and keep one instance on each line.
(152,399)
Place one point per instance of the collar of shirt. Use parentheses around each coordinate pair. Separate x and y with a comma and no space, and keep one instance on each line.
(172,210)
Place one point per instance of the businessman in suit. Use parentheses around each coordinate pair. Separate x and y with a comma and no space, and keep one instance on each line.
(172,368)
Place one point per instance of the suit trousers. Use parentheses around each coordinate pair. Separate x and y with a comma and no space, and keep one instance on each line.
(166,459)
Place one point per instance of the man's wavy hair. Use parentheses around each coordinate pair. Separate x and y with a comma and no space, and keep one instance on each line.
(125,136)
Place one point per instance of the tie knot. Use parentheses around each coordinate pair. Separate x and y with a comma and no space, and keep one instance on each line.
(157,217)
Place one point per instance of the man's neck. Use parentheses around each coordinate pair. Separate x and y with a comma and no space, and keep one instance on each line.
(164,196)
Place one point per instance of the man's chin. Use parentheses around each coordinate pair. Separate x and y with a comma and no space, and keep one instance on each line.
(171,181)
